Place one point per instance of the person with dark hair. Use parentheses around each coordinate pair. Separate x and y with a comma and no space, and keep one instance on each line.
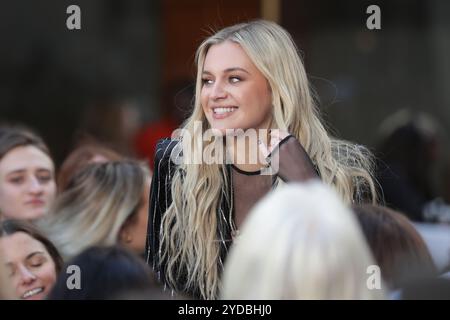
(426,289)
(398,248)
(106,273)
(32,260)
(407,156)
(80,157)
(27,174)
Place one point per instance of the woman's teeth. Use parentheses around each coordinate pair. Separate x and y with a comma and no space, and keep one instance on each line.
(32,292)
(223,110)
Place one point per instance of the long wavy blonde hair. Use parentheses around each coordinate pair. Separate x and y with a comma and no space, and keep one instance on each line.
(189,227)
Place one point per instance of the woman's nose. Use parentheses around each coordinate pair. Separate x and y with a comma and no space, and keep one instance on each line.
(218,91)
(26,276)
(35,186)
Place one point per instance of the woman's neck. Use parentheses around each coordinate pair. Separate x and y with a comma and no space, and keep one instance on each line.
(243,150)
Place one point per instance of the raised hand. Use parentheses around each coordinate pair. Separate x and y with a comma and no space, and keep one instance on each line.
(286,157)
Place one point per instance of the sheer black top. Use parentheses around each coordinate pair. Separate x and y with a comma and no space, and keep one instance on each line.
(245,189)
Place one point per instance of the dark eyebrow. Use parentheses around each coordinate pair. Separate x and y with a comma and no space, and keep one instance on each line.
(43,170)
(228,70)
(31,255)
(40,170)
(16,171)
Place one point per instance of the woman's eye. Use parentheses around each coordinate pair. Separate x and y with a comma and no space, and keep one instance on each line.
(37,262)
(235,79)
(44,179)
(16,180)
(207,81)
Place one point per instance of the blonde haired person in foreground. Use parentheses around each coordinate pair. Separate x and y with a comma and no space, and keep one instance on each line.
(251,83)
(300,242)
(104,204)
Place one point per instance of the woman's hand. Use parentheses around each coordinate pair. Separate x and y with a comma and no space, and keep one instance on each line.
(286,157)
(275,137)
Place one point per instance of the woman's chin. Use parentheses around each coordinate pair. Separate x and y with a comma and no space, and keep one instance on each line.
(28,214)
(221,132)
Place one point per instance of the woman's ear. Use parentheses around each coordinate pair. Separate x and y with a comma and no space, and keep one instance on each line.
(125,236)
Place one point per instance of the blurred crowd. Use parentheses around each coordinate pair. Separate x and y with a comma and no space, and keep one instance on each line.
(81,185)
(92,213)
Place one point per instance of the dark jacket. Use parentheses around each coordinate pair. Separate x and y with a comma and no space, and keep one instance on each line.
(160,200)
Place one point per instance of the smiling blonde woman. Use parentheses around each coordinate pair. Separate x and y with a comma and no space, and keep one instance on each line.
(249,78)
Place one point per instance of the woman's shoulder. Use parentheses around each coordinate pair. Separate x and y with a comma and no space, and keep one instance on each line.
(167,156)
(165,149)
(164,146)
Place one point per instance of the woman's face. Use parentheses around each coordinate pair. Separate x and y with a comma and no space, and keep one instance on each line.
(31,269)
(27,185)
(234,94)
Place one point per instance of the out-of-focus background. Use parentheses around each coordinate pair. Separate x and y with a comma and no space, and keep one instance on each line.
(126,77)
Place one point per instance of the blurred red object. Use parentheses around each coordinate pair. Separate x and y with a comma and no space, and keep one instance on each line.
(147,138)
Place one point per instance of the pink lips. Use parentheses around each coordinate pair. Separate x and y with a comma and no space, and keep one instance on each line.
(36,202)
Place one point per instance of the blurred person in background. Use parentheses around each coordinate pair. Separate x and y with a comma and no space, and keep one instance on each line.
(250,78)
(103,204)
(446,182)
(113,122)
(31,260)
(108,273)
(426,289)
(177,104)
(80,157)
(409,153)
(397,246)
(300,242)
(27,174)
(439,209)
